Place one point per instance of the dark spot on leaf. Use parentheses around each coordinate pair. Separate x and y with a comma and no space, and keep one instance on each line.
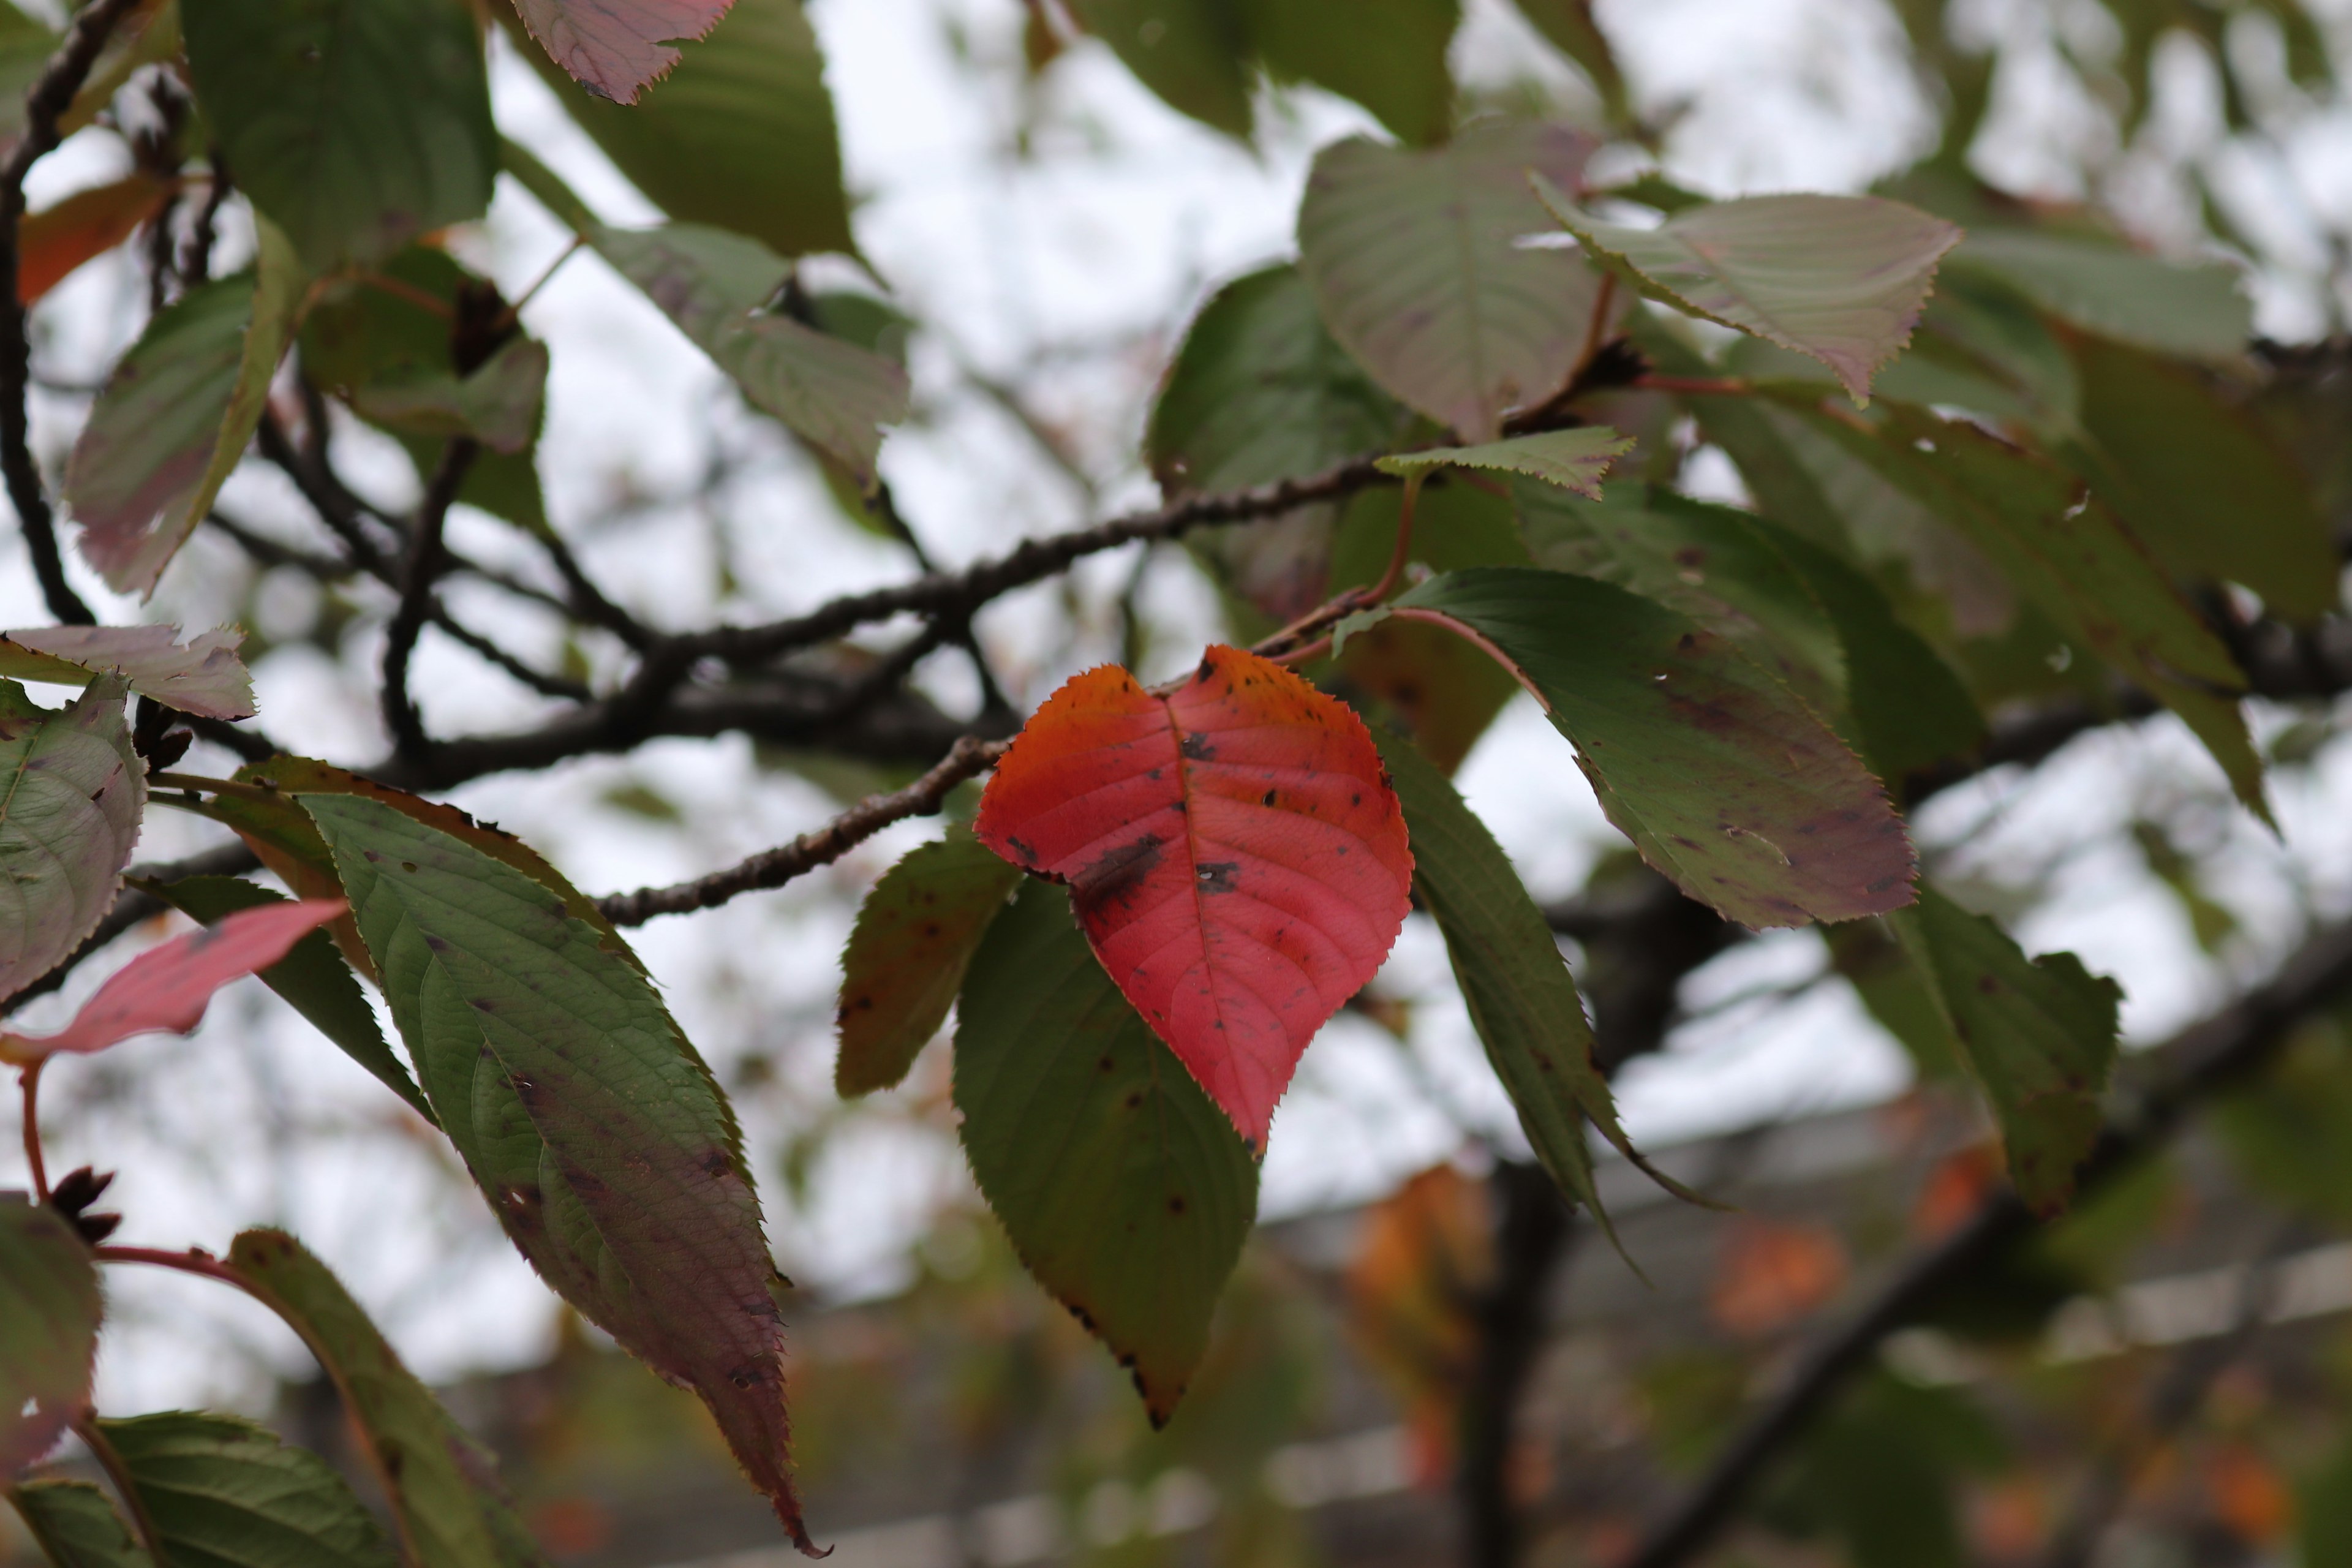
(1021,849)
(409,865)
(1175,1203)
(1106,1064)
(1117,870)
(1217,876)
(371,856)
(1268,799)
(1197,749)
(1134,1099)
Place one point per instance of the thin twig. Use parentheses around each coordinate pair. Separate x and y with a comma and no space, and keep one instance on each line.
(59,81)
(2206,1058)
(775,867)
(1596,328)
(28,1078)
(425,559)
(85,1427)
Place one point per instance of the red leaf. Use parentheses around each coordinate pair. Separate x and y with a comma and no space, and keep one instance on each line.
(1233,851)
(616,48)
(164,990)
(56,240)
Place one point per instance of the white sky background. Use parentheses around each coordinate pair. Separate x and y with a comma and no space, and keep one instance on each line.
(1103,243)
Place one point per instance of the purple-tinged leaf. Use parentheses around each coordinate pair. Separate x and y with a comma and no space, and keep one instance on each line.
(165,989)
(71,793)
(202,676)
(49,1309)
(617,48)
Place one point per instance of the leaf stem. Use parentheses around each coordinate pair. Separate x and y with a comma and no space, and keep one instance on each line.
(401,289)
(29,1079)
(1696,385)
(1403,552)
(1596,331)
(85,1427)
(512,313)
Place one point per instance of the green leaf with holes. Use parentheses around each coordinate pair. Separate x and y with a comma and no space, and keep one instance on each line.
(1416,261)
(1722,777)
(447,1501)
(49,1311)
(355,125)
(740,136)
(71,795)
(598,1135)
(2038,1034)
(1839,279)
(1123,1187)
(913,939)
(225,1493)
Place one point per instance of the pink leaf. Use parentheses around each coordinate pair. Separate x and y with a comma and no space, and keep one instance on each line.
(616,48)
(164,991)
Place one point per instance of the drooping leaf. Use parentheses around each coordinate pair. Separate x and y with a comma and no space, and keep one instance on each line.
(1234,853)
(2194,308)
(202,675)
(1722,778)
(1569,25)
(2039,1035)
(1841,278)
(915,936)
(1574,458)
(1514,983)
(598,1135)
(740,137)
(617,48)
(447,1501)
(49,1309)
(1387,55)
(2200,483)
(58,239)
(1260,392)
(390,358)
(2067,555)
(175,416)
(355,125)
(165,989)
(1416,263)
(71,794)
(75,1526)
(714,285)
(225,1493)
(310,977)
(1124,1189)
(1194,54)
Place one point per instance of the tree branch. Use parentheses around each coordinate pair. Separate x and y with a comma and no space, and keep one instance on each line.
(59,81)
(427,557)
(2198,1063)
(773,868)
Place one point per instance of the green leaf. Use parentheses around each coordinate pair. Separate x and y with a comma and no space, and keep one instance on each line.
(49,1311)
(75,1526)
(714,285)
(1569,25)
(26,46)
(175,416)
(1416,263)
(447,1501)
(915,936)
(1192,53)
(2068,555)
(1387,55)
(1124,1189)
(202,675)
(1841,278)
(599,1136)
(1260,392)
(355,125)
(741,136)
(2203,484)
(1437,687)
(71,794)
(1516,987)
(311,978)
(225,1493)
(2193,309)
(2039,1036)
(384,352)
(1574,459)
(1723,779)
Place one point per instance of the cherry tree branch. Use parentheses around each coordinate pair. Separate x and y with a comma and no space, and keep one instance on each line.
(426,556)
(86,34)
(773,868)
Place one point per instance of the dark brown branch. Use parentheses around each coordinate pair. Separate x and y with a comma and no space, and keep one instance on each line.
(2198,1064)
(1532,1236)
(59,81)
(775,867)
(425,559)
